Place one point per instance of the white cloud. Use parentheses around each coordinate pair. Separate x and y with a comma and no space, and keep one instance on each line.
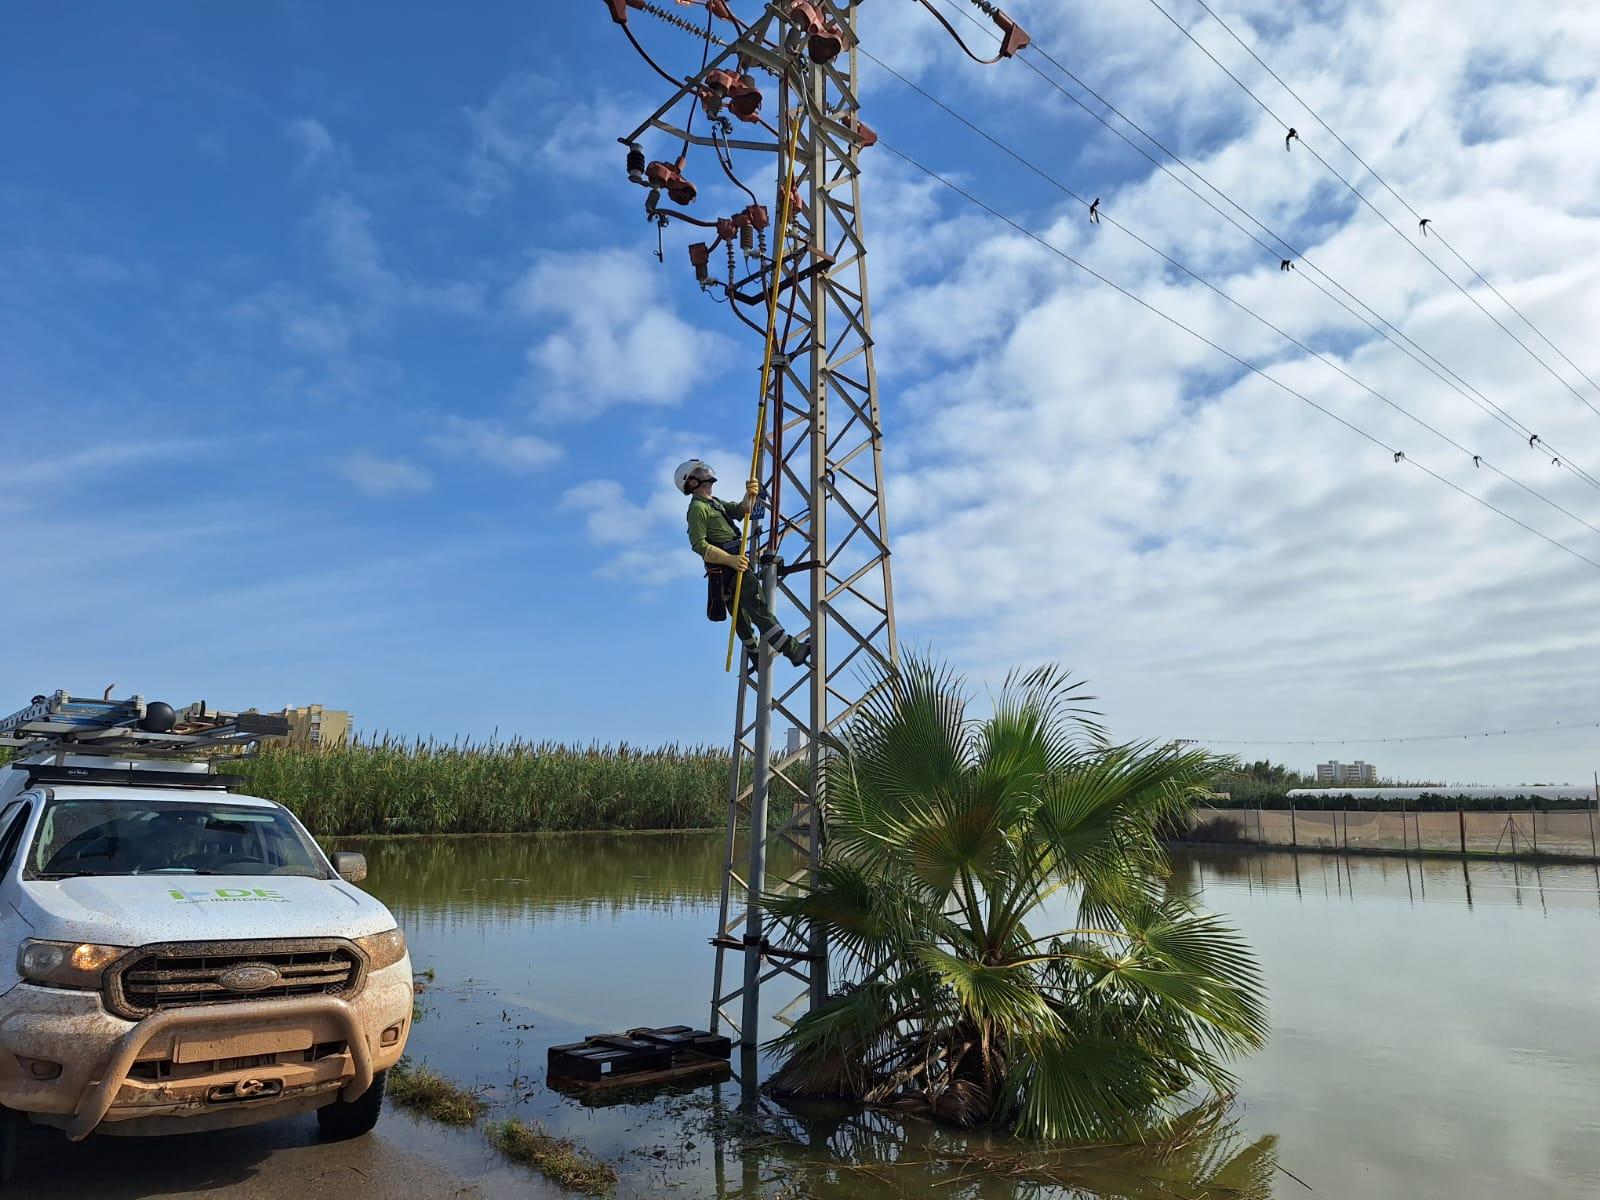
(530,124)
(493,442)
(376,476)
(345,228)
(646,541)
(316,145)
(322,331)
(1073,479)
(44,470)
(616,338)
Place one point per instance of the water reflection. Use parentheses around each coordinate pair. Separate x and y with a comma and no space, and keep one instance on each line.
(1432,1027)
(1443,880)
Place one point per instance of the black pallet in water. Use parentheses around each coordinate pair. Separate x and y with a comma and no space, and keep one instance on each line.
(624,1058)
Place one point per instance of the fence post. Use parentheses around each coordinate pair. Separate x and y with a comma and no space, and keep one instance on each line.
(1261,835)
(1461,820)
(1405,843)
(1346,836)
(1533,819)
(1593,853)
(1294,836)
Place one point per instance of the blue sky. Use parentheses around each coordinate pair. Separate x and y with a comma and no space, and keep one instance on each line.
(337,367)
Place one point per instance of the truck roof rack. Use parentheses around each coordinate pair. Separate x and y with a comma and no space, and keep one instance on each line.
(62,724)
(126,776)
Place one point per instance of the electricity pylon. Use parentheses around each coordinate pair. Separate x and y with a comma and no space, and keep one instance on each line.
(827,550)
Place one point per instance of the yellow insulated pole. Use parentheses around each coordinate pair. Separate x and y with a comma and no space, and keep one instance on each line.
(785,214)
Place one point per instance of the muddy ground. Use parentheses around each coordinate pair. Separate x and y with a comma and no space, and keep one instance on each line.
(280,1160)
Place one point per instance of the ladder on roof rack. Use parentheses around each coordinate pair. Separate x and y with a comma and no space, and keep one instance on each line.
(62,724)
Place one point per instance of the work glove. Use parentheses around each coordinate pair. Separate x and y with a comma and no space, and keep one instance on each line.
(752,490)
(721,558)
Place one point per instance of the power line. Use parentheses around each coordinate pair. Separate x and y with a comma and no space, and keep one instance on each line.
(1106,218)
(1378,212)
(1373,171)
(1424,737)
(1433,365)
(1399,455)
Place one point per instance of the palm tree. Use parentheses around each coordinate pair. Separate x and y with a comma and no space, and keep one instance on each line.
(952,842)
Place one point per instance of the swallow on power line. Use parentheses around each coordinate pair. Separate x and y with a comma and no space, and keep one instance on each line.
(1094,212)
(1293,133)
(1286,264)
(1423,225)
(1534,440)
(1399,456)
(1477,460)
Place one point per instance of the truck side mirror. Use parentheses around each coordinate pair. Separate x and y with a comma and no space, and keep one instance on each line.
(352,867)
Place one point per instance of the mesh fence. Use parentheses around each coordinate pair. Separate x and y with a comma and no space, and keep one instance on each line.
(1560,834)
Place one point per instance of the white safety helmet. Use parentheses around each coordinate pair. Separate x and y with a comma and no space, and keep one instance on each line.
(692,474)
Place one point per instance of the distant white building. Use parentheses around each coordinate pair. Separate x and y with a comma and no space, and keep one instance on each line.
(795,741)
(1337,774)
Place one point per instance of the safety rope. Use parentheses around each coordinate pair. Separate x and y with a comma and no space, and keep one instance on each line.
(785,216)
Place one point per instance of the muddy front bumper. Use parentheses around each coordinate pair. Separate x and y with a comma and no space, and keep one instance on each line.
(66,1061)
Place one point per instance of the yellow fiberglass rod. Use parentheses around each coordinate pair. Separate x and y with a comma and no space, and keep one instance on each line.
(785,215)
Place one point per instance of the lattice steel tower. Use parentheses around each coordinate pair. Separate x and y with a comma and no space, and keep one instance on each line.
(826,547)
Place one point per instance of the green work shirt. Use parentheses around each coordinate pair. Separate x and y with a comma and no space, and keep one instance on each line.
(712,522)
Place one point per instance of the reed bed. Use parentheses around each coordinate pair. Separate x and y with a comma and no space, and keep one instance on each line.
(393,786)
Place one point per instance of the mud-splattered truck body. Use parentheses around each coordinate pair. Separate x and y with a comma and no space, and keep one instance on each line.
(175,956)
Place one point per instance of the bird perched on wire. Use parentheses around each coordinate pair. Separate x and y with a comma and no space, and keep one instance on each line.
(1293,133)
(1534,440)
(1399,456)
(1094,212)
(1423,225)
(1286,264)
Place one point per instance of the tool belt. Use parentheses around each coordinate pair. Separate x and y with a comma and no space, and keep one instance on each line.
(719,586)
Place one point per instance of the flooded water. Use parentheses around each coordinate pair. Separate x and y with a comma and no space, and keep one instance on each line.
(1436,1027)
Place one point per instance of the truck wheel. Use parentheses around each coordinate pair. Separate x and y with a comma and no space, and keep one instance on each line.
(352,1118)
(10,1128)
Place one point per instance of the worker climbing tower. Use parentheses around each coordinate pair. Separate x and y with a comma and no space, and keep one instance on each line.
(782,90)
(784,87)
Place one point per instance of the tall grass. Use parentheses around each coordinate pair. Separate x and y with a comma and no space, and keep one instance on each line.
(393,786)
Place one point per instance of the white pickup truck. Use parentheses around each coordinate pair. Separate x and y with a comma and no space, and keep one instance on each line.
(175,956)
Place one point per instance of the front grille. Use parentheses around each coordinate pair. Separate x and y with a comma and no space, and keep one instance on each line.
(164,1070)
(183,974)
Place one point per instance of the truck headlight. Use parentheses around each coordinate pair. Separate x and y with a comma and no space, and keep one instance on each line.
(65,964)
(383,949)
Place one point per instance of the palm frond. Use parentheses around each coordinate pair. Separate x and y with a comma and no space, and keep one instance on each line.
(1002,995)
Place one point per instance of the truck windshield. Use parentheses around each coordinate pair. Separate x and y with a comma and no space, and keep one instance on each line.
(154,837)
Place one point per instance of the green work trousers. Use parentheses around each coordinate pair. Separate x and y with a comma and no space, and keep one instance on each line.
(755,614)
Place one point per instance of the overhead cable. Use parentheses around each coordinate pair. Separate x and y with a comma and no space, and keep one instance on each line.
(1425,737)
(1423,222)
(1099,215)
(1381,215)
(1383,327)
(1398,455)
